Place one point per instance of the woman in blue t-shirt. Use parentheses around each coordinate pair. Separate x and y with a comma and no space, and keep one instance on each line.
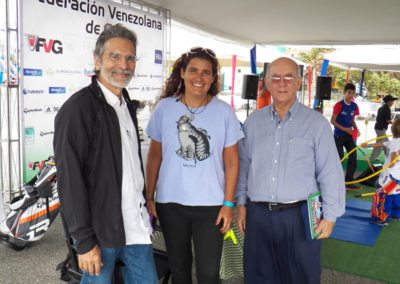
(193,163)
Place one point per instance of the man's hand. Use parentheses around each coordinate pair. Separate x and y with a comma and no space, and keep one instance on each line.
(225,215)
(324,229)
(349,130)
(91,261)
(151,208)
(241,219)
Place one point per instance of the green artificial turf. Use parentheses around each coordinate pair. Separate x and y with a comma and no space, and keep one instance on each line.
(381,262)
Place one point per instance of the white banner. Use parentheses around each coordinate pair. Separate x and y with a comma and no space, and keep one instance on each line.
(58,39)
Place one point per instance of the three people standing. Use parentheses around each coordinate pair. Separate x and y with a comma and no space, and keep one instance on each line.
(192,171)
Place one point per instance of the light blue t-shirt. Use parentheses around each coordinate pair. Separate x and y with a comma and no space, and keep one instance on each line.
(192,168)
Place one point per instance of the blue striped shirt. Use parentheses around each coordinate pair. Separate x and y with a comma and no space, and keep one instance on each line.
(286,160)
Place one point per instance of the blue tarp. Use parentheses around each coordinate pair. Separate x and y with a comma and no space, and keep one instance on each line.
(355,225)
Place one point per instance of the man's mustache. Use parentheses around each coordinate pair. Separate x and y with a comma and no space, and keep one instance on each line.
(123,72)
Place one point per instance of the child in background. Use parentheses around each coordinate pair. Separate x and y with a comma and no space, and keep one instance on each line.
(343,120)
(386,202)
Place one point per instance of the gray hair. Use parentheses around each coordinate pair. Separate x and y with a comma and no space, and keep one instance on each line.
(113,31)
(287,58)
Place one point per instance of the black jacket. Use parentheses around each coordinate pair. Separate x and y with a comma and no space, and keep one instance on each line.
(88,154)
(384,114)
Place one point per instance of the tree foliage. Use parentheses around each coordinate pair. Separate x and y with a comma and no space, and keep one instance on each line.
(377,83)
(314,57)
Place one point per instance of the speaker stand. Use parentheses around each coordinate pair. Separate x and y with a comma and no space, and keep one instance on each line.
(248,107)
(320,105)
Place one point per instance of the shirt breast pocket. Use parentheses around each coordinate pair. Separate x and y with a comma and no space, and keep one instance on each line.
(300,152)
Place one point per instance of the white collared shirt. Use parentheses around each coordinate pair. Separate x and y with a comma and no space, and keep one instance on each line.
(136,219)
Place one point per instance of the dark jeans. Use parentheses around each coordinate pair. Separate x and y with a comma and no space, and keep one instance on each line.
(276,249)
(348,143)
(179,225)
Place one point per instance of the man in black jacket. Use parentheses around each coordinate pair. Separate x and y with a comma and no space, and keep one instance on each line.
(383,119)
(100,170)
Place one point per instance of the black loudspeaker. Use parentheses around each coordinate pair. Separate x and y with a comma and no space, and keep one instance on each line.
(250,87)
(324,87)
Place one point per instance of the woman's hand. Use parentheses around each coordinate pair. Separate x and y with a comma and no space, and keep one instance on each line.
(151,208)
(226,216)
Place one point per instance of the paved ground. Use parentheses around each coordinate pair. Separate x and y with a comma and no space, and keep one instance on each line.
(37,264)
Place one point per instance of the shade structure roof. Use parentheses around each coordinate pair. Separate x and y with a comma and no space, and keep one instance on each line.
(373,58)
(277,22)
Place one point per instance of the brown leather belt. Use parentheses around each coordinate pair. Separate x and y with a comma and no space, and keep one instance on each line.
(273,206)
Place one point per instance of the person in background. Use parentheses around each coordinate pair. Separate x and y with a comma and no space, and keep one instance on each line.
(99,168)
(383,119)
(193,164)
(287,154)
(389,180)
(378,99)
(343,120)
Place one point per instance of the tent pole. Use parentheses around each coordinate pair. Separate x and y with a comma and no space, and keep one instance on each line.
(362,81)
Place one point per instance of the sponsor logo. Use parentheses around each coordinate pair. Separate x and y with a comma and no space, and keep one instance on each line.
(88,72)
(51,109)
(133,88)
(68,71)
(30,110)
(141,75)
(145,89)
(29,135)
(29,132)
(32,92)
(32,72)
(57,90)
(155,76)
(36,165)
(45,133)
(50,72)
(38,44)
(157,56)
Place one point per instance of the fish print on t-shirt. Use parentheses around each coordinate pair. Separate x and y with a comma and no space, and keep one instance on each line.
(194,141)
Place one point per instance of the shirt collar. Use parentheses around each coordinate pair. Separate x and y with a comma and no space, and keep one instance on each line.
(291,112)
(110,97)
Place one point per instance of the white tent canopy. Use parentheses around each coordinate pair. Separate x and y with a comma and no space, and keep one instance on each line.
(182,40)
(269,54)
(373,58)
(308,22)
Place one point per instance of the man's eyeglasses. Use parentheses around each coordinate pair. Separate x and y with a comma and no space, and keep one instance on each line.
(288,79)
(117,57)
(202,49)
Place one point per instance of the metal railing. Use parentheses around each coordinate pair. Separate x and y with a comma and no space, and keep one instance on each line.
(10,105)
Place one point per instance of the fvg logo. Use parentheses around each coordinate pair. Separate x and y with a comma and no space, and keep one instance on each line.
(37,43)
